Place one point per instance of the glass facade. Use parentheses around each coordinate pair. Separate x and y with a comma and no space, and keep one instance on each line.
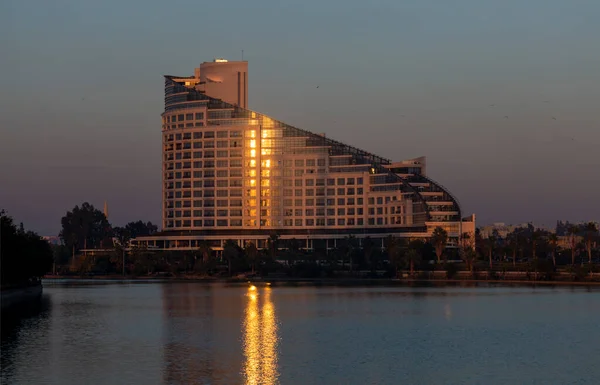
(231,172)
(243,168)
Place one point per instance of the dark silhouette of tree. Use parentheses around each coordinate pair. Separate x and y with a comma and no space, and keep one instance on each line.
(293,250)
(368,249)
(24,255)
(273,246)
(205,251)
(553,240)
(133,230)
(411,258)
(252,255)
(84,227)
(512,245)
(572,230)
(439,238)
(394,252)
(590,232)
(490,246)
(231,252)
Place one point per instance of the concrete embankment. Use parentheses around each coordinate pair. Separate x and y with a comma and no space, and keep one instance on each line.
(20,295)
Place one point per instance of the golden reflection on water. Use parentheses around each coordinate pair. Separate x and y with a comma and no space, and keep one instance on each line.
(260,338)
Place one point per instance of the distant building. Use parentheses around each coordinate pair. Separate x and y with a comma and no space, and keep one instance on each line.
(233,173)
(52,239)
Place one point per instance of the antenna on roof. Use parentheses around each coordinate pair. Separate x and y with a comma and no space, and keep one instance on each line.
(242,55)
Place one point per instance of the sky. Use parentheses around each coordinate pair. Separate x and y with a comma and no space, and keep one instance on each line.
(503,97)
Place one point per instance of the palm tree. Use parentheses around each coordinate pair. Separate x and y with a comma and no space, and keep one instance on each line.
(230,253)
(412,256)
(205,250)
(553,239)
(513,246)
(368,248)
(252,254)
(535,237)
(273,245)
(293,250)
(350,245)
(572,231)
(392,248)
(490,245)
(465,241)
(590,233)
(439,238)
(470,259)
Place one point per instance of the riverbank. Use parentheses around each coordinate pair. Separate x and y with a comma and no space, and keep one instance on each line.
(342,281)
(20,295)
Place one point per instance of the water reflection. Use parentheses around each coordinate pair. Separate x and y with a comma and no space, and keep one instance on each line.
(260,338)
(15,324)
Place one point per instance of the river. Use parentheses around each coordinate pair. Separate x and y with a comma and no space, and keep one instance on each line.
(194,333)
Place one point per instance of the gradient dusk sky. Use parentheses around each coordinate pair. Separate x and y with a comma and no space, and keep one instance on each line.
(82,94)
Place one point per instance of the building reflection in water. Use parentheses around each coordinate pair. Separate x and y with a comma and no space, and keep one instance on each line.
(260,338)
(188,333)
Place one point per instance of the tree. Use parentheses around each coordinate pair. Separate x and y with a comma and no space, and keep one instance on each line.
(140,228)
(513,246)
(553,239)
(490,245)
(536,235)
(293,250)
(466,241)
(351,246)
(394,253)
(572,231)
(368,248)
(273,246)
(412,257)
(439,238)
(24,255)
(231,252)
(590,231)
(252,255)
(84,227)
(205,250)
(470,257)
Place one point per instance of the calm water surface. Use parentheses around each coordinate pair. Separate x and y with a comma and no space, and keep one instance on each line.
(191,333)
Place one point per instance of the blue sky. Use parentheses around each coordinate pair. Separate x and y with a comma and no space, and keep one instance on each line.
(82,93)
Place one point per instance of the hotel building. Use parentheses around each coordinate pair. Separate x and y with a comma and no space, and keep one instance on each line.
(232,173)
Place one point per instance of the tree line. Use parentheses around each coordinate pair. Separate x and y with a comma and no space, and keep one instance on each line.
(523,249)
